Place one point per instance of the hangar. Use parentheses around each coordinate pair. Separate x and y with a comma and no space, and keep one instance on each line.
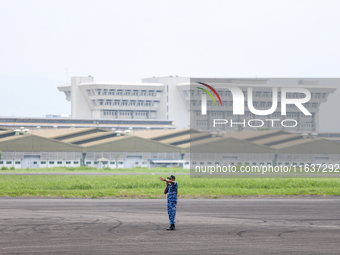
(97,147)
(22,150)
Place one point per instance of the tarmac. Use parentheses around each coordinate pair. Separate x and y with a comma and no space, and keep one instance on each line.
(138,226)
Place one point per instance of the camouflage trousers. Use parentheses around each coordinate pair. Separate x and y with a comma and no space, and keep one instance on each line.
(172,207)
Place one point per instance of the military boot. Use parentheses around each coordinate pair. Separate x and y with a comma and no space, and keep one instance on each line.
(172,227)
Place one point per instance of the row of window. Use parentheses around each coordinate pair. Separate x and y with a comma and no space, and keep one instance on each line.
(255,104)
(121,92)
(42,162)
(124,102)
(251,115)
(256,94)
(58,162)
(253,163)
(309,125)
(10,162)
(111,163)
(124,113)
(231,163)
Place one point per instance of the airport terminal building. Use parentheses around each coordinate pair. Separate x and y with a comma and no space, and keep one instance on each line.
(177,99)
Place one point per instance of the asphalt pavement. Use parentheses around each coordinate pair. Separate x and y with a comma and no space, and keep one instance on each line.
(137,226)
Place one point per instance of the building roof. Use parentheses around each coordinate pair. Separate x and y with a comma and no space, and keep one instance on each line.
(180,140)
(313,146)
(130,144)
(79,133)
(49,133)
(31,143)
(89,137)
(285,144)
(227,145)
(159,134)
(104,141)
(280,138)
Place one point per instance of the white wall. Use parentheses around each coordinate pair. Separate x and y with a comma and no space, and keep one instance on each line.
(177,111)
(79,105)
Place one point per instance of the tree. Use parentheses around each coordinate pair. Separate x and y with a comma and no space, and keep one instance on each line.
(117,156)
(240,128)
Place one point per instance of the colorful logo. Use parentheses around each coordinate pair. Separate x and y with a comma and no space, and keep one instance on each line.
(208,92)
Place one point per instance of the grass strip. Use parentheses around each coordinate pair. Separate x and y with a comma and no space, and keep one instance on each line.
(148,186)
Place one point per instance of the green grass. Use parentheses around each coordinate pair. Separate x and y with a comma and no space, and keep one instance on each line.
(148,186)
(84,169)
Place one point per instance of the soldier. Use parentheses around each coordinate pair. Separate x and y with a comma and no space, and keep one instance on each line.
(171,189)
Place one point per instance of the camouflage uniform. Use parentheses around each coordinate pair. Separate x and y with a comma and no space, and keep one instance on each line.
(172,202)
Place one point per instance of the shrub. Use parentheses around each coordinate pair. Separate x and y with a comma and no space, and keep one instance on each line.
(12,168)
(4,168)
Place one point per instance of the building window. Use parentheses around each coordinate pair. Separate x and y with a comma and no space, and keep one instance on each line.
(68,162)
(112,163)
(51,162)
(43,162)
(17,162)
(143,163)
(88,163)
(96,163)
(75,162)
(120,163)
(60,162)
(135,93)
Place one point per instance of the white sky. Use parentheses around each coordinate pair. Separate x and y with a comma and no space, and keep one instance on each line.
(128,40)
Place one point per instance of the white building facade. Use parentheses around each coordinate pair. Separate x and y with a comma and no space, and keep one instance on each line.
(153,98)
(177,99)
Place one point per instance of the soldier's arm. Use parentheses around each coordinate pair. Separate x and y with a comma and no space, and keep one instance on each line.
(166,180)
(166,189)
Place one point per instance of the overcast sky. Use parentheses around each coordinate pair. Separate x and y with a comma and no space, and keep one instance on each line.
(128,40)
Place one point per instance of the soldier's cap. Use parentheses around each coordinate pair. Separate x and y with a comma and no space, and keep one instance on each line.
(172,176)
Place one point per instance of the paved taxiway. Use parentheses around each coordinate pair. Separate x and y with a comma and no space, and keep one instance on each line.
(204,226)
